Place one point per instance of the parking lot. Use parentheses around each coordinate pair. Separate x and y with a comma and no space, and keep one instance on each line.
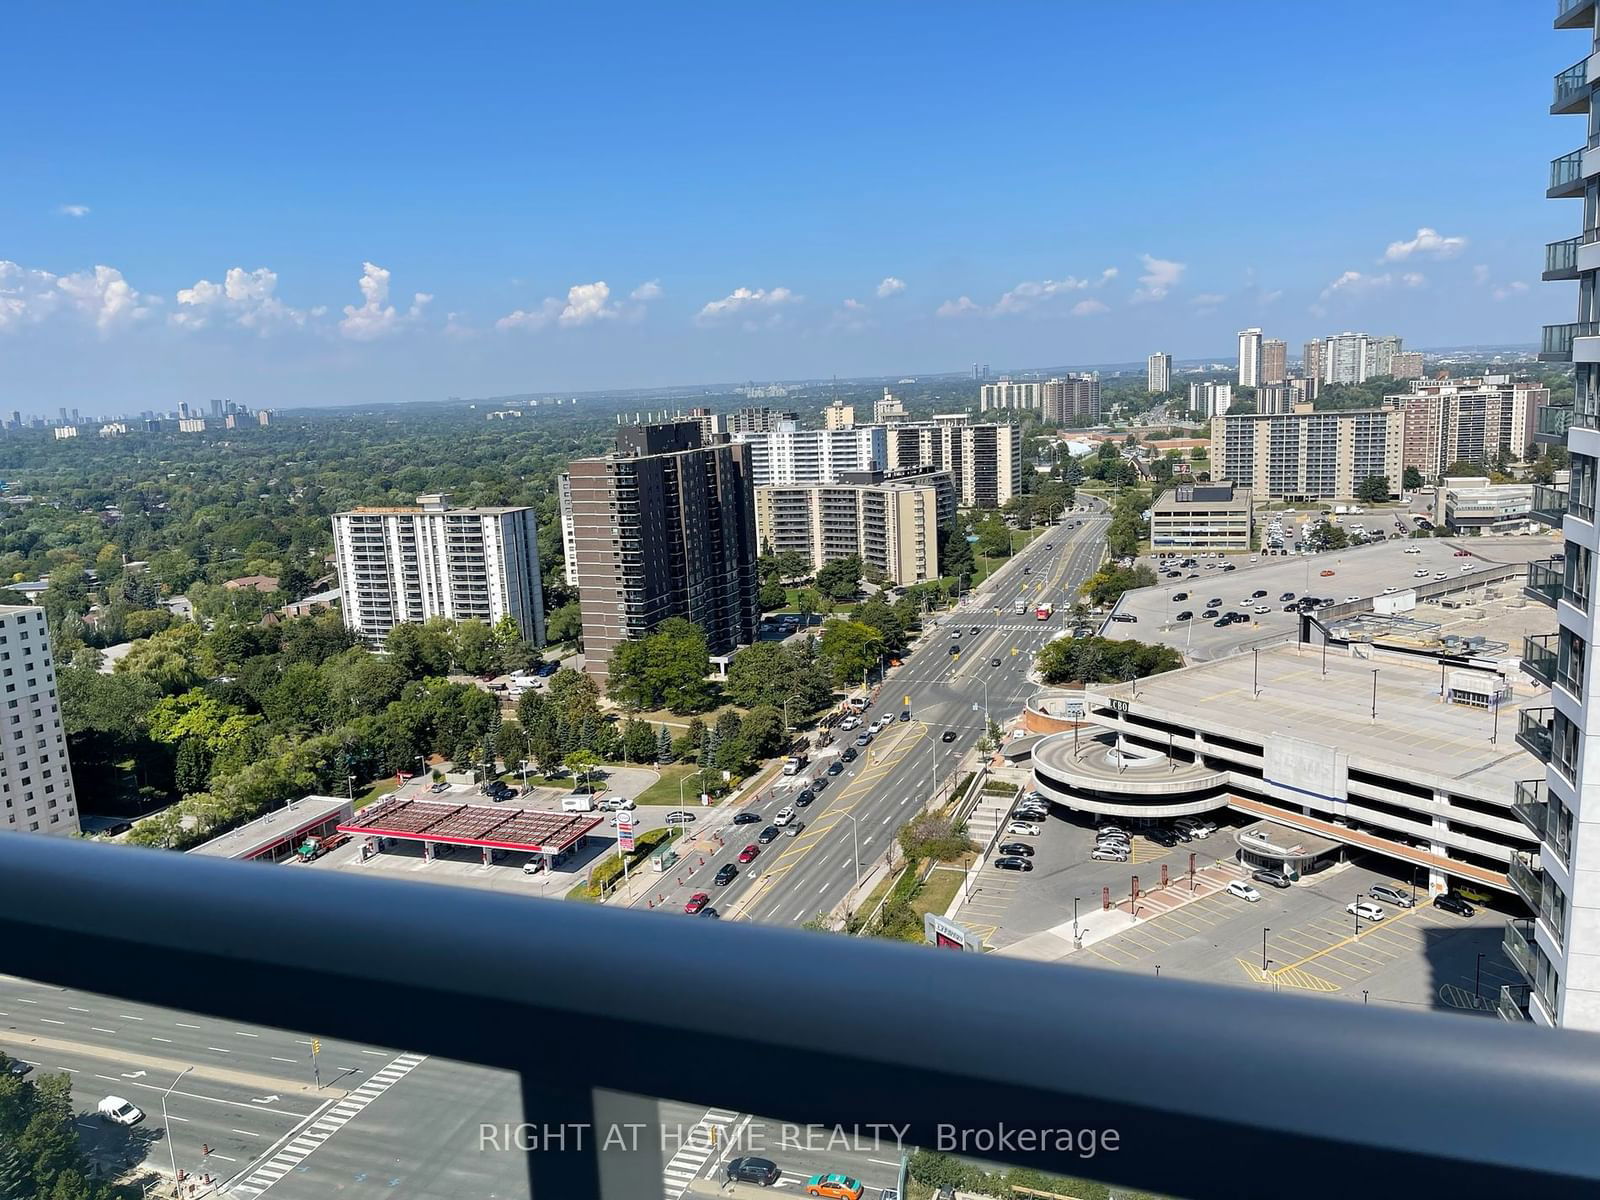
(1419,957)
(1360,573)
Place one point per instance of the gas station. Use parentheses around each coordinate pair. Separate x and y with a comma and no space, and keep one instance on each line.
(551,836)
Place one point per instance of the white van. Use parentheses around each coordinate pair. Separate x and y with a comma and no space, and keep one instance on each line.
(577,804)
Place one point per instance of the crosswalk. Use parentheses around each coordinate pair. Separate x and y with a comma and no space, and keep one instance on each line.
(292,1153)
(699,1144)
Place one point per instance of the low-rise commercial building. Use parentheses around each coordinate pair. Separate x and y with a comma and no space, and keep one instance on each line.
(1201,517)
(1475,504)
(891,522)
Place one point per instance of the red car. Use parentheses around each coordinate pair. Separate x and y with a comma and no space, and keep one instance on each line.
(696,902)
(748,854)
(1463,553)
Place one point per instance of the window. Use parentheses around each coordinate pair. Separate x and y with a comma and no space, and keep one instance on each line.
(1564,743)
(1581,489)
(1571,658)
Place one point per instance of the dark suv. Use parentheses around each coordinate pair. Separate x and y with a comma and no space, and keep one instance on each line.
(753,1170)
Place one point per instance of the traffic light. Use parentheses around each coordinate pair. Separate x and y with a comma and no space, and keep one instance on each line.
(316,1045)
(906,700)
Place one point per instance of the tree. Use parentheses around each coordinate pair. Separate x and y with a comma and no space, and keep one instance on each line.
(639,742)
(563,626)
(1411,480)
(769,673)
(476,651)
(762,733)
(994,539)
(1374,489)
(955,555)
(1106,586)
(665,668)
(581,762)
(849,649)
(891,631)
(663,745)
(772,596)
(1327,536)
(841,578)
(1103,660)
(730,749)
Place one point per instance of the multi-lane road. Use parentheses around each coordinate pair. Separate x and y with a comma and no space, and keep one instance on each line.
(251,1107)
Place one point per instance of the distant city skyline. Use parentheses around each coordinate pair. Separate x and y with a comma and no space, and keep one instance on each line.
(359,247)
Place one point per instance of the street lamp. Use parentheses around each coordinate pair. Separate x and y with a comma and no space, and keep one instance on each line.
(166,1125)
(1355,913)
(796,696)
(1477,979)
(1264,931)
(1075,918)
(350,787)
(855,843)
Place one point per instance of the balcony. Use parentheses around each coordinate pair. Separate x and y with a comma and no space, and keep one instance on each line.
(313,950)
(1525,877)
(1556,342)
(1518,944)
(1553,422)
(1529,804)
(1539,656)
(1574,14)
(1561,259)
(1566,176)
(1549,505)
(1513,1004)
(1571,90)
(1534,726)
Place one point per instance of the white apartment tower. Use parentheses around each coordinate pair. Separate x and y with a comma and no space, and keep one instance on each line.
(399,565)
(1249,357)
(985,461)
(1558,948)
(36,793)
(1158,372)
(790,455)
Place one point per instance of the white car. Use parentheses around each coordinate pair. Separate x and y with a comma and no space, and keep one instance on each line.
(1466,567)
(850,723)
(1108,854)
(119,1111)
(1440,575)
(1420,573)
(1413,549)
(1389,591)
(1023,828)
(617,804)
(1244,891)
(1262,608)
(1364,910)
(1351,599)
(785,815)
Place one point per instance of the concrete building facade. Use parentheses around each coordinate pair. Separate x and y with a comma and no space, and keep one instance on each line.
(838,415)
(1274,360)
(891,522)
(1201,517)
(788,454)
(1307,455)
(983,460)
(36,793)
(1071,399)
(1249,357)
(400,565)
(1208,400)
(1468,420)
(1011,393)
(1158,372)
(664,526)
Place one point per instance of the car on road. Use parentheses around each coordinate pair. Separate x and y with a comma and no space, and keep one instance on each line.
(750,853)
(1325,573)
(864,740)
(876,726)
(696,902)
(974,631)
(1049,545)
(994,662)
(1229,567)
(955,633)
(1420,573)
(1185,615)
(795,830)
(1177,596)
(1364,909)
(18,1068)
(1413,550)
(119,1111)
(1476,894)
(849,754)
(835,767)
(726,875)
(1463,554)
(1013,863)
(949,735)
(804,799)
(1466,568)
(1023,829)
(1437,575)
(1109,854)
(954,651)
(618,804)
(680,816)
(761,1171)
(1017,848)
(1390,895)
(1286,596)
(440,787)
(747,818)
(849,723)
(1451,902)
(785,815)
(708,911)
(1241,889)
(837,1186)
(768,835)
(905,714)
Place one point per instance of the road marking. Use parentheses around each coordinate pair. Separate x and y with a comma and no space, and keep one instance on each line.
(75,1008)
(129,1017)
(20,1000)
(242,1033)
(49,1021)
(98,1029)
(181,1025)
(219,1049)
(276,1058)
(378,1053)
(246,1132)
(153,1038)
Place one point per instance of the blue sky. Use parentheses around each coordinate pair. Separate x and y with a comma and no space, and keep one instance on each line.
(621,195)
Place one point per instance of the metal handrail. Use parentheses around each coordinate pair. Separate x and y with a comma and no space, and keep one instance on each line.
(476,976)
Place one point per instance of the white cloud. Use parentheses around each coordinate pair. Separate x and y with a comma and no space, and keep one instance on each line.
(1088,308)
(244,298)
(587,302)
(1160,276)
(27,296)
(1107,276)
(1029,294)
(1354,283)
(1429,242)
(964,307)
(376,317)
(1208,299)
(1272,297)
(855,306)
(890,286)
(747,301)
(1516,287)
(534,318)
(106,298)
(74,210)
(1413,279)
(647,291)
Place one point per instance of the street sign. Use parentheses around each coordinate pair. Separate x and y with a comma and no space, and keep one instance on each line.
(625,835)
(1119,706)
(948,935)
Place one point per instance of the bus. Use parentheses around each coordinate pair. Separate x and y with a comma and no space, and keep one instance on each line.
(1045,610)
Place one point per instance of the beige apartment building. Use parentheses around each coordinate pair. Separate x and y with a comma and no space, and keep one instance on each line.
(891,522)
(1468,420)
(838,415)
(984,461)
(1307,455)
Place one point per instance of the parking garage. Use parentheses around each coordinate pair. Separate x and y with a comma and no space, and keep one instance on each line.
(549,837)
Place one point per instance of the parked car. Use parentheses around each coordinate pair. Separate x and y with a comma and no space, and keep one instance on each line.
(835,1186)
(1241,889)
(1023,829)
(1109,854)
(1021,849)
(1013,863)
(1390,895)
(726,876)
(1366,910)
(1450,902)
(761,1171)
(680,816)
(1270,877)
(1162,837)
(1468,892)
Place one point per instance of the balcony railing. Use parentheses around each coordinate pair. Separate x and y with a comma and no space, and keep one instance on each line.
(1561,258)
(1544,581)
(1534,727)
(1553,422)
(1571,86)
(1571,14)
(1513,1004)
(1566,174)
(1549,504)
(1525,877)
(1529,804)
(316,950)
(1518,944)
(1539,656)
(1556,343)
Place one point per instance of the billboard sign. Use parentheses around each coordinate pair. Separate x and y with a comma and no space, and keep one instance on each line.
(625,835)
(947,935)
